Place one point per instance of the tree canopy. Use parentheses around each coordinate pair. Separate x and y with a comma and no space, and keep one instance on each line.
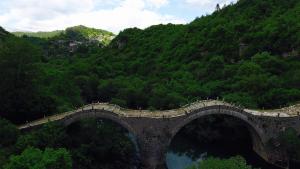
(246,53)
(216,163)
(33,158)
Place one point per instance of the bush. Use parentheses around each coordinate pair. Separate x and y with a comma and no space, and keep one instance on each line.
(216,163)
(8,133)
(33,158)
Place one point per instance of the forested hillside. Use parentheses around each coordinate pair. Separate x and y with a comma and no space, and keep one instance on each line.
(73,33)
(39,34)
(247,53)
(62,44)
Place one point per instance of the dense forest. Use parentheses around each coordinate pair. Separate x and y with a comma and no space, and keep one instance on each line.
(39,34)
(247,53)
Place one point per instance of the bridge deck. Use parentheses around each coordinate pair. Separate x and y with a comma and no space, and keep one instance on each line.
(291,111)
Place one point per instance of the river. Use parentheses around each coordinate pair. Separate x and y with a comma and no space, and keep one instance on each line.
(184,152)
(230,138)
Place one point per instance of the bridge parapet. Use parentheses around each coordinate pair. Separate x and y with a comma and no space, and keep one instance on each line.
(290,111)
(286,112)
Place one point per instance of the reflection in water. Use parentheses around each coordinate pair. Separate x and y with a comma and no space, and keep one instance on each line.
(177,158)
(216,136)
(177,161)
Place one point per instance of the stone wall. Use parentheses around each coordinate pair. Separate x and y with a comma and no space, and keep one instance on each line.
(155,133)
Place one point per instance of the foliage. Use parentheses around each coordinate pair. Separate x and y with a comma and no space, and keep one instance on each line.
(33,158)
(100,144)
(246,53)
(92,143)
(238,53)
(82,32)
(20,97)
(39,34)
(216,163)
(73,33)
(8,133)
(3,33)
(51,135)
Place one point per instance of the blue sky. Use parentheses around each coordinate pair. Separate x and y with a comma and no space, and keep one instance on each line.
(112,15)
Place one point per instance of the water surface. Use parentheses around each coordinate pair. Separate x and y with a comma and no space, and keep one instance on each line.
(184,152)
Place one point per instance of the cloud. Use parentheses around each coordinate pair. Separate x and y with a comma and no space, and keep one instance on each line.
(113,15)
(208,4)
(158,3)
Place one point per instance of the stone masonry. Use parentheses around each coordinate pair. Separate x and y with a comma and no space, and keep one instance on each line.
(154,130)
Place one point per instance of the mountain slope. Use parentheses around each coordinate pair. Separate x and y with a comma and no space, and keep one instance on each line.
(39,34)
(85,33)
(246,53)
(3,33)
(78,39)
(76,33)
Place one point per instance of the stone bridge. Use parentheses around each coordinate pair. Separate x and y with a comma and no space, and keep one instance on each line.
(154,130)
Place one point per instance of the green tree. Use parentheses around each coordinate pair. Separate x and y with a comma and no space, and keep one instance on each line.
(216,163)
(8,133)
(247,51)
(51,135)
(241,98)
(33,158)
(100,144)
(281,96)
(20,98)
(271,64)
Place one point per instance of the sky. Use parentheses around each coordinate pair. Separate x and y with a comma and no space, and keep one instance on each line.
(111,15)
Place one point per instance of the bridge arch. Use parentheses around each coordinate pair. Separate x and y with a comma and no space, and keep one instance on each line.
(102,114)
(256,133)
(220,110)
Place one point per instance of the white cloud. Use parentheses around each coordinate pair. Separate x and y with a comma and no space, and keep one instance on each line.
(46,15)
(158,3)
(208,4)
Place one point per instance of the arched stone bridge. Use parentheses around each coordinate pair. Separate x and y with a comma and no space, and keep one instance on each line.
(154,130)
